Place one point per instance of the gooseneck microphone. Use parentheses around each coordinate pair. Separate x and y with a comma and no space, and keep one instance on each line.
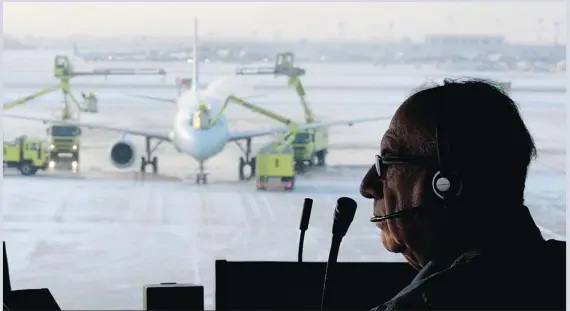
(343,216)
(304,225)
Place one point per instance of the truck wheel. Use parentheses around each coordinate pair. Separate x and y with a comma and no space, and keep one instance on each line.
(314,160)
(300,167)
(27,169)
(321,158)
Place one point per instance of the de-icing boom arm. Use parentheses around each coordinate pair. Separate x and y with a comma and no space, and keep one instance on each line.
(254,108)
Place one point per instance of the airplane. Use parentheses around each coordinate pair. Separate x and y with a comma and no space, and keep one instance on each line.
(193,133)
(132,56)
(109,56)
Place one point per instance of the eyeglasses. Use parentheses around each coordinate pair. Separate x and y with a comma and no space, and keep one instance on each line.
(382,162)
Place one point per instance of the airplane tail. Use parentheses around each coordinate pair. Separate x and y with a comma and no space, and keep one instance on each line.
(195,80)
(76,50)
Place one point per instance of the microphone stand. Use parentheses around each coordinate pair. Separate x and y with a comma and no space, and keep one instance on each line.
(328,299)
(304,225)
(343,216)
(301,243)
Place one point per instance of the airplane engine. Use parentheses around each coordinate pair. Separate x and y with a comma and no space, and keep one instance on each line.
(122,154)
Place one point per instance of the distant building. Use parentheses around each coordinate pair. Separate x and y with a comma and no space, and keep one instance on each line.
(14,44)
(465,42)
(545,52)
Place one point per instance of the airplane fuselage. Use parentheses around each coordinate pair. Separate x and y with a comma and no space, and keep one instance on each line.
(193,135)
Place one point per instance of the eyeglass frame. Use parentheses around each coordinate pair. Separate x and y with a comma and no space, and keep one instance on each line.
(381,161)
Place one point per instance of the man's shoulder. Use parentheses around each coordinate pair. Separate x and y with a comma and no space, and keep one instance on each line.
(486,280)
(556,246)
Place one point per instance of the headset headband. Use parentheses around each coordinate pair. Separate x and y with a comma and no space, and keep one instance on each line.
(446,184)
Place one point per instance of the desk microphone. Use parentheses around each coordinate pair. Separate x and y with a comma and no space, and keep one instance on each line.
(304,225)
(343,216)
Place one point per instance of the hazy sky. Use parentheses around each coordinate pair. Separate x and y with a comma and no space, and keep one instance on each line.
(518,20)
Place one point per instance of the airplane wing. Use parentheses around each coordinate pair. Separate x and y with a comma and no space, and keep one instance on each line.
(160,99)
(159,136)
(256,133)
(173,100)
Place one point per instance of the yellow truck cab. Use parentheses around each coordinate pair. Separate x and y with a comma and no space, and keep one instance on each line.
(310,148)
(304,148)
(275,167)
(64,140)
(28,155)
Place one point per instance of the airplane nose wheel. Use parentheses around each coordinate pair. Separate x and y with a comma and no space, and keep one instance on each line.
(247,164)
(201,176)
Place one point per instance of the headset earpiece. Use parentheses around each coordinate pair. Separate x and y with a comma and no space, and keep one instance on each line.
(446,187)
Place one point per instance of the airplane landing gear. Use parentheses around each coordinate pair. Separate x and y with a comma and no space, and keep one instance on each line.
(247,161)
(147,161)
(201,176)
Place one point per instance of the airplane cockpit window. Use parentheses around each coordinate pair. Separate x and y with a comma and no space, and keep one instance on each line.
(201,120)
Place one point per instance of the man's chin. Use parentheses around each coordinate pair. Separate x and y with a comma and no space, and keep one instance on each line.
(391,244)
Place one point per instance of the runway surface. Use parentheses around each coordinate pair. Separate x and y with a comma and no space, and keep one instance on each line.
(97,237)
(96,242)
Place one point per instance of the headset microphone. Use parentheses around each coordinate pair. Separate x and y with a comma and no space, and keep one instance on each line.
(343,216)
(304,225)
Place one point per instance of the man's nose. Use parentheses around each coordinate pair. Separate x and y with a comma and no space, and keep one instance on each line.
(371,186)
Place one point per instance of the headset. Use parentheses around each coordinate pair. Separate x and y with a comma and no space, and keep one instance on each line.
(446,184)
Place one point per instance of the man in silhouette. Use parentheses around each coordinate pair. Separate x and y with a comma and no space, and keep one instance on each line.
(469,234)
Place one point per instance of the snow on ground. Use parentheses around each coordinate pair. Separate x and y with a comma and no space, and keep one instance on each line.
(96,241)
(97,237)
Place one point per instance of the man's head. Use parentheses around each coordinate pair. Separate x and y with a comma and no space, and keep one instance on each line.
(487,146)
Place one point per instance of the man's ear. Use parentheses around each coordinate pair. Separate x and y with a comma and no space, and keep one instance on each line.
(429,196)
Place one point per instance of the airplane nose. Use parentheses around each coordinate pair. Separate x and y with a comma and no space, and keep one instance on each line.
(202,144)
(198,146)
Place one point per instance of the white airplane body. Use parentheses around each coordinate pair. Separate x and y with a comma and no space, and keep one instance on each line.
(193,133)
(201,143)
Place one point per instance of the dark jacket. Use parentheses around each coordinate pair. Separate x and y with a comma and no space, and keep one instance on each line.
(525,272)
